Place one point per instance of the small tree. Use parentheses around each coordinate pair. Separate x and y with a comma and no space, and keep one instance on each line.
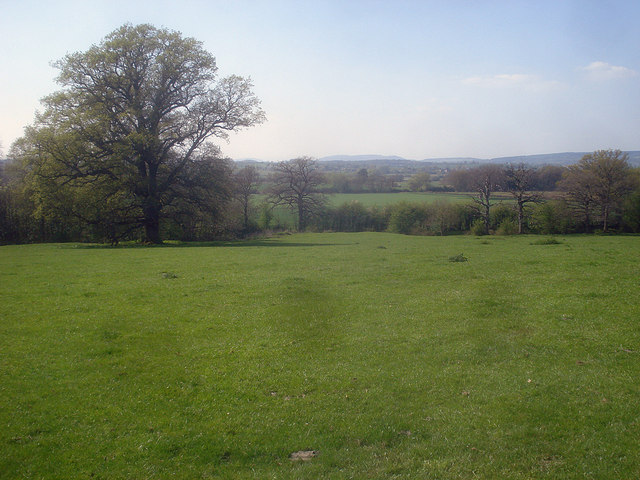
(519,179)
(488,179)
(420,182)
(295,184)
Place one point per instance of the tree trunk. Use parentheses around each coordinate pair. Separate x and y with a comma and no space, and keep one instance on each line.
(605,222)
(152,223)
(246,214)
(587,221)
(520,218)
(301,219)
(487,217)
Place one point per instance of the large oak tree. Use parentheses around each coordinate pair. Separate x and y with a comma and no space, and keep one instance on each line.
(127,137)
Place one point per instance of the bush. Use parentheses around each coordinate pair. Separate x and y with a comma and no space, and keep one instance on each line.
(266,216)
(478,228)
(353,217)
(507,227)
(408,218)
(501,214)
(552,217)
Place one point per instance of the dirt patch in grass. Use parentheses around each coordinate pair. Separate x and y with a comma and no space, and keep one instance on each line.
(303,455)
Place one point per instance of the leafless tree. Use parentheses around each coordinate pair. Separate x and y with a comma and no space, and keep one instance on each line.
(578,185)
(294,183)
(518,182)
(487,180)
(461,180)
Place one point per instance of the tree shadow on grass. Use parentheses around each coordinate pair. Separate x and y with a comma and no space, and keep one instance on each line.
(177,244)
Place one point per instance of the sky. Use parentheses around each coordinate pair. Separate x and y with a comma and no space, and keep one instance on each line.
(417,79)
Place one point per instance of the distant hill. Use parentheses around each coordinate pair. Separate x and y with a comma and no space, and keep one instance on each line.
(562,158)
(565,158)
(358,158)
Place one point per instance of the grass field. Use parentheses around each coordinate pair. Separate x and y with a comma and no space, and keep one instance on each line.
(375,350)
(383,199)
(287,219)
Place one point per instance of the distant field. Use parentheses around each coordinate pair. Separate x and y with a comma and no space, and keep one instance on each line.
(373,349)
(286,218)
(382,199)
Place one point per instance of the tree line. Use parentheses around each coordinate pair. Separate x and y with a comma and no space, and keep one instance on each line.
(601,192)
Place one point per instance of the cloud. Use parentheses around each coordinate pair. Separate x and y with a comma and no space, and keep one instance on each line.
(513,80)
(605,71)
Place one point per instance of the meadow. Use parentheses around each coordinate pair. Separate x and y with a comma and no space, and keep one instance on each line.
(384,199)
(286,218)
(377,351)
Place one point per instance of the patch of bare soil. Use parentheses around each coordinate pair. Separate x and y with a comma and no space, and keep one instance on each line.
(303,455)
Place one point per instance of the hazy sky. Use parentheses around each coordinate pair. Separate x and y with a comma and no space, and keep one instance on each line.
(419,79)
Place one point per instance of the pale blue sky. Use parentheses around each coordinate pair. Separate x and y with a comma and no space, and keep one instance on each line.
(420,79)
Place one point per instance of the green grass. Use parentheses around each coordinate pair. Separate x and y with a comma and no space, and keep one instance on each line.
(219,361)
(383,199)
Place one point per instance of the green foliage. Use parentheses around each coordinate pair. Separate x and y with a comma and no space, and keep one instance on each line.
(354,217)
(552,217)
(502,213)
(458,258)
(597,185)
(419,182)
(407,218)
(124,144)
(507,227)
(390,362)
(478,227)
(266,216)
(631,213)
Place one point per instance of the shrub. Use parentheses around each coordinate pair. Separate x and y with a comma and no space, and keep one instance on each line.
(507,227)
(408,218)
(552,217)
(266,216)
(353,217)
(477,227)
(501,214)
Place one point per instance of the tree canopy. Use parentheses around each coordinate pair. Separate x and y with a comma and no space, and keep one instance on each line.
(600,179)
(126,141)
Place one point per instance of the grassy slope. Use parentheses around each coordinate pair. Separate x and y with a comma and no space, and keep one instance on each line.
(372,348)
